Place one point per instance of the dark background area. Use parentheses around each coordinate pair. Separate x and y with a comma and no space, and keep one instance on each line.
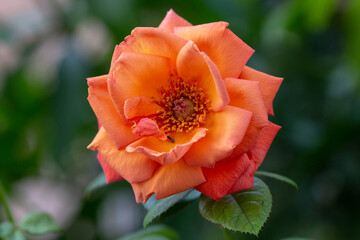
(48,48)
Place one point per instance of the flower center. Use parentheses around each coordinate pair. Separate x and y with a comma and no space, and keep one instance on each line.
(184,105)
(183,108)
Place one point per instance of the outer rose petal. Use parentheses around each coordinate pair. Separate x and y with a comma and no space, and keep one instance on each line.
(134,167)
(247,95)
(172,20)
(167,152)
(269,85)
(154,41)
(110,174)
(169,180)
(147,127)
(190,63)
(246,180)
(137,74)
(220,179)
(223,47)
(226,130)
(139,107)
(263,142)
(106,113)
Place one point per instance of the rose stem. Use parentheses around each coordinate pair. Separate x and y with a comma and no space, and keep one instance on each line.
(5,204)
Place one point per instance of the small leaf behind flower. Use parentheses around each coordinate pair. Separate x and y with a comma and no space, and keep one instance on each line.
(162,205)
(9,232)
(156,232)
(96,184)
(277,177)
(39,223)
(244,211)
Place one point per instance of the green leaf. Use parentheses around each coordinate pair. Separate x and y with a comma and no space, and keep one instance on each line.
(156,232)
(39,223)
(245,211)
(162,206)
(96,184)
(8,231)
(6,228)
(296,238)
(277,177)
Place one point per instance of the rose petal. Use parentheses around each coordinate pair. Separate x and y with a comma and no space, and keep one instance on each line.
(247,95)
(172,20)
(100,101)
(220,179)
(133,167)
(263,142)
(167,152)
(224,48)
(110,174)
(147,127)
(139,107)
(137,74)
(169,180)
(226,130)
(246,180)
(191,63)
(154,41)
(269,85)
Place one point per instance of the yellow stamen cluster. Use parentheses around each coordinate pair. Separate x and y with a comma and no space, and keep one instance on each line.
(189,92)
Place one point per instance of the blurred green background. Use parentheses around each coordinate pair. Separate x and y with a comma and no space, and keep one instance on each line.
(49,47)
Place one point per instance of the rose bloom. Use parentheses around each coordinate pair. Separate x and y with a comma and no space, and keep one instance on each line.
(179,110)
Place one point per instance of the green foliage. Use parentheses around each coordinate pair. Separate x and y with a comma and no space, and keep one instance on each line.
(156,232)
(39,223)
(98,183)
(9,232)
(244,211)
(163,205)
(277,177)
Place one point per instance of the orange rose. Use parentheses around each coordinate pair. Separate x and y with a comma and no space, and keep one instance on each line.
(179,110)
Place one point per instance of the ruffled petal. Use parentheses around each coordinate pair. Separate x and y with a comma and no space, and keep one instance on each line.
(263,142)
(172,20)
(167,152)
(137,74)
(224,48)
(139,107)
(269,85)
(191,63)
(169,180)
(110,174)
(247,95)
(100,101)
(147,127)
(154,41)
(220,179)
(226,130)
(133,167)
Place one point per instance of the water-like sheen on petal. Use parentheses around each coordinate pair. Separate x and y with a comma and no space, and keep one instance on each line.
(269,85)
(224,48)
(137,74)
(133,167)
(226,130)
(154,41)
(263,142)
(220,179)
(139,107)
(110,174)
(167,152)
(191,63)
(172,20)
(169,180)
(100,101)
